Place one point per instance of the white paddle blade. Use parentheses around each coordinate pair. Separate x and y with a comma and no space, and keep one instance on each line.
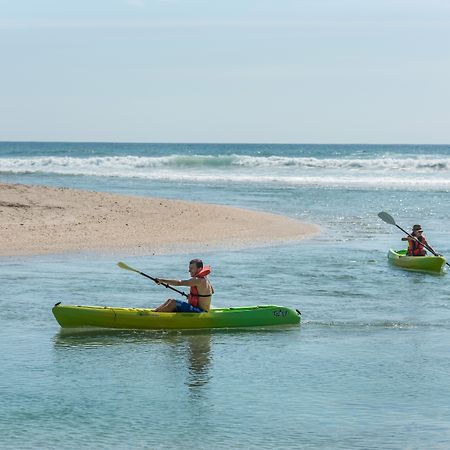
(122,265)
(386,217)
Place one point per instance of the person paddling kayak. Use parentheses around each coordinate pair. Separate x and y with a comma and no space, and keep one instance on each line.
(199,298)
(416,247)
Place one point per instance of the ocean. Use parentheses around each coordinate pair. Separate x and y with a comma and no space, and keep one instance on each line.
(367,368)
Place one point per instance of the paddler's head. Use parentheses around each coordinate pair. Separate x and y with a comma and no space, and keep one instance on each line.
(417,229)
(194,266)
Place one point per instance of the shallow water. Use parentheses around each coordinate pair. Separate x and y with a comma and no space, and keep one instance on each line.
(368,367)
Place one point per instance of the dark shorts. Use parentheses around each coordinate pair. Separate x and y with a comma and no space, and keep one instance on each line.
(187,307)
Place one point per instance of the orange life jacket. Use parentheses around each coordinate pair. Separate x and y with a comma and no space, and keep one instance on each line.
(194,296)
(415,248)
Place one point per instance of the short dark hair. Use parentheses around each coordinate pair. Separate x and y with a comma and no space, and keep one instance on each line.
(197,262)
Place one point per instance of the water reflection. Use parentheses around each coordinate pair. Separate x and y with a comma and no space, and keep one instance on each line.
(180,357)
(199,359)
(192,347)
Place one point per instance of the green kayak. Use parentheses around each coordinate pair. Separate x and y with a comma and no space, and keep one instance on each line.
(422,263)
(72,316)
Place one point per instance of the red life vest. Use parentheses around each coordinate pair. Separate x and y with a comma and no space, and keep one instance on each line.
(194,296)
(415,248)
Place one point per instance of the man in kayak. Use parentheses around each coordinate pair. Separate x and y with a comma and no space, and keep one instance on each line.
(416,247)
(199,298)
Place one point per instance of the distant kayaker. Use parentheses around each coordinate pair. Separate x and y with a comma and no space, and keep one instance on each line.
(199,298)
(416,247)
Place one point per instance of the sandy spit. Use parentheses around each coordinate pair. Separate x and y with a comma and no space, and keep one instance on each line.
(38,220)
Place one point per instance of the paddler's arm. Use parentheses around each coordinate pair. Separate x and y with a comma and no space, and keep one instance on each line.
(430,247)
(190,282)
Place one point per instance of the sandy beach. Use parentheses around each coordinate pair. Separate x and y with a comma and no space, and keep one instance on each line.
(39,220)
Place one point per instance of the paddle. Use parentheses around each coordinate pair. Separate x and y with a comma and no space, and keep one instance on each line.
(122,265)
(385,217)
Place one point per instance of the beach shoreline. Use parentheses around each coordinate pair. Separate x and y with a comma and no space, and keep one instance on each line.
(38,220)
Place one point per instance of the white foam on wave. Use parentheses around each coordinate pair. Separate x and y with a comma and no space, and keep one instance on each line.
(417,173)
(423,163)
(372,182)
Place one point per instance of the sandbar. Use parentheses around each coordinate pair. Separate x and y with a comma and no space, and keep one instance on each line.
(37,220)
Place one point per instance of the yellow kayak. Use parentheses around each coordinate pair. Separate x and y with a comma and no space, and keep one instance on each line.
(72,316)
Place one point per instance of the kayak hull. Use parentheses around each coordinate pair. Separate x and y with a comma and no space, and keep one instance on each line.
(421,263)
(72,316)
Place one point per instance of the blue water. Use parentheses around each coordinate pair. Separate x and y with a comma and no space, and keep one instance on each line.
(368,368)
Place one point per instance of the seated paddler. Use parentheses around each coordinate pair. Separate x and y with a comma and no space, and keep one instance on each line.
(416,244)
(201,290)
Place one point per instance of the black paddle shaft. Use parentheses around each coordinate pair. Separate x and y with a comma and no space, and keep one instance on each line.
(163,284)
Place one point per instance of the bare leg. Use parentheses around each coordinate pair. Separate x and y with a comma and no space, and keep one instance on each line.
(168,306)
(158,309)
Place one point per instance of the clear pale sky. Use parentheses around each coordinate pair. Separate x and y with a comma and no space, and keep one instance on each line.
(281,71)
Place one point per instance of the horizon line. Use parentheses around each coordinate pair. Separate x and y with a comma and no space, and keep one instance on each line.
(207,143)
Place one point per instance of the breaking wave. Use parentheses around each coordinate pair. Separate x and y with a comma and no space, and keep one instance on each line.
(421,172)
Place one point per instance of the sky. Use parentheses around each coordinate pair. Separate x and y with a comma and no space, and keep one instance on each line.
(260,71)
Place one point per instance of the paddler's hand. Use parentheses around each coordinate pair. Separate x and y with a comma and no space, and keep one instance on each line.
(157,281)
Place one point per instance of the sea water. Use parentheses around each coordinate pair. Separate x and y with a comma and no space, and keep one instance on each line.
(368,368)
